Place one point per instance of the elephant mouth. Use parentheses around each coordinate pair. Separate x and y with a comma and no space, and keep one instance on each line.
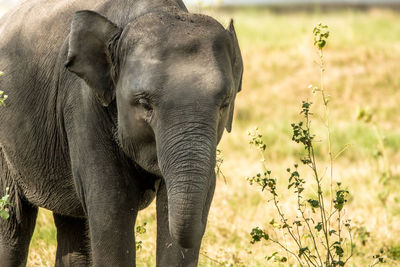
(144,155)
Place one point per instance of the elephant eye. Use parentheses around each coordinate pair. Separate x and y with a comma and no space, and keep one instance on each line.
(145,104)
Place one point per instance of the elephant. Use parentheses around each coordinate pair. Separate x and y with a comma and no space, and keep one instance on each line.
(112,104)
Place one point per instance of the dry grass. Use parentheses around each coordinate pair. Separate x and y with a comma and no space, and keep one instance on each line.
(363,71)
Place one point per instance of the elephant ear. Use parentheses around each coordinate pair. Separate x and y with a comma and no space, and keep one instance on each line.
(91,43)
(237,70)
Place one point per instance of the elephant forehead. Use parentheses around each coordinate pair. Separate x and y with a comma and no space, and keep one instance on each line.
(193,51)
(192,60)
(205,73)
(180,74)
(180,31)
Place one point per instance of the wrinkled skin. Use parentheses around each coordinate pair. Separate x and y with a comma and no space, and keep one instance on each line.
(108,109)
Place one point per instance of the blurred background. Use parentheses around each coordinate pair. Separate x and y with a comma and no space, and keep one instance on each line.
(362,79)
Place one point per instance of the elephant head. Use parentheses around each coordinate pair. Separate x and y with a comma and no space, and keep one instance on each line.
(174,78)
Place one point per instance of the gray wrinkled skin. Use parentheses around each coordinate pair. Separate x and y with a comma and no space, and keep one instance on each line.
(107,110)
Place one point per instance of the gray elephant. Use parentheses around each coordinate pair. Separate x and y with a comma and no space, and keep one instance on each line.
(126,103)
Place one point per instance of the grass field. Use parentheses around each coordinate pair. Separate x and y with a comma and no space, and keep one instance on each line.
(363,73)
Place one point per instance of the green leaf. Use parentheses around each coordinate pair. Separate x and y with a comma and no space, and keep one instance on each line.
(302,251)
(339,251)
(314,203)
(283,259)
(272,256)
(5,198)
(319,227)
(4,214)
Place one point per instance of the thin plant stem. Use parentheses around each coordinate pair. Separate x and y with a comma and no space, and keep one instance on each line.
(211,259)
(309,229)
(284,220)
(311,155)
(288,251)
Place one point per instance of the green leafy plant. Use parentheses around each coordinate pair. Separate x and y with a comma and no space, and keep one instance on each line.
(3,97)
(219,162)
(140,230)
(4,206)
(378,258)
(319,235)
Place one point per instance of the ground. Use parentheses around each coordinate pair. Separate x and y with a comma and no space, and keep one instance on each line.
(362,74)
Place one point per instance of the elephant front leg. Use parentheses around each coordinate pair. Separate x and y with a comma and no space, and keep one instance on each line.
(111,230)
(168,252)
(110,198)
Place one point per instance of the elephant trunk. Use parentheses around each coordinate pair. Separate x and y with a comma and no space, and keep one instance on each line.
(187,161)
